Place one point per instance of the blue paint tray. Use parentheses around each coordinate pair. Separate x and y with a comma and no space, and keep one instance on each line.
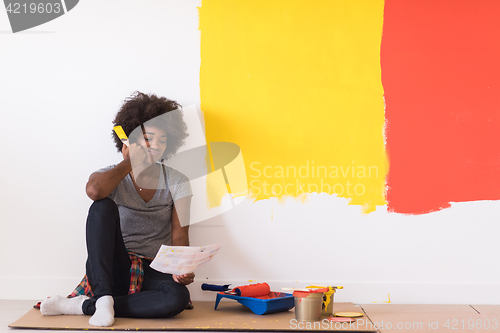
(274,302)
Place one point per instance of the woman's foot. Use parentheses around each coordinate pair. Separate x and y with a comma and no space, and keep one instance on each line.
(104,314)
(58,305)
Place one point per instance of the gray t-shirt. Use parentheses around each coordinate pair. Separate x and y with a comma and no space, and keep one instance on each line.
(147,225)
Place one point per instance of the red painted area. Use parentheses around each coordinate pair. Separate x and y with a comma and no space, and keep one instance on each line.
(441,75)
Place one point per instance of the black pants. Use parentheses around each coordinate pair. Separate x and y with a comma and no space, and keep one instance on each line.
(108,271)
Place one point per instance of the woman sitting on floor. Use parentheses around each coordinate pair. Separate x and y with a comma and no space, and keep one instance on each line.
(138,206)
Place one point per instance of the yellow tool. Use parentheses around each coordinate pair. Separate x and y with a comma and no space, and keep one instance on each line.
(121,134)
(328,294)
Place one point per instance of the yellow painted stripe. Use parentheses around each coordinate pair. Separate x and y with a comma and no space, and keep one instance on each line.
(297,85)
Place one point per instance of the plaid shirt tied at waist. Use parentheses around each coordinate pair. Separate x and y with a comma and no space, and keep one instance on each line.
(136,278)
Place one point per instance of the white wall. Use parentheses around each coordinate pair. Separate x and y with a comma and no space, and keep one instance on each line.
(61,84)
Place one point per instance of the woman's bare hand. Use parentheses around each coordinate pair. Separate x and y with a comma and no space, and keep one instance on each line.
(184,279)
(134,153)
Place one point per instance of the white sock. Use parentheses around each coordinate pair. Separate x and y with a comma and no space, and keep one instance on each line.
(58,305)
(104,314)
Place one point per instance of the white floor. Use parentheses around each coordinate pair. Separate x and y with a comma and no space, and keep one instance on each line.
(10,311)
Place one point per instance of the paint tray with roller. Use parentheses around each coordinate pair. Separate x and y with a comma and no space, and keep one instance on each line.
(258,298)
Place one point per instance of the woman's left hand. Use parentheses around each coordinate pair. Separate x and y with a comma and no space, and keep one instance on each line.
(184,279)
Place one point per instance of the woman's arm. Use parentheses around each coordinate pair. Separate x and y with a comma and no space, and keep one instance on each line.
(101,184)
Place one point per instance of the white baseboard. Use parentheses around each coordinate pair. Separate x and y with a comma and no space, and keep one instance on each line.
(381,292)
(28,288)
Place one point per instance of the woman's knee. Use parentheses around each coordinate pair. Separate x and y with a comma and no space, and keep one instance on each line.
(104,209)
(177,295)
(103,218)
(105,205)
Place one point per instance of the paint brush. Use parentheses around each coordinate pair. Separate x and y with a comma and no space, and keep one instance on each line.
(121,135)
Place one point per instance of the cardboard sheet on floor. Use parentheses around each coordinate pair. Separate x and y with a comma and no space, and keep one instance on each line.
(491,310)
(424,317)
(491,316)
(229,316)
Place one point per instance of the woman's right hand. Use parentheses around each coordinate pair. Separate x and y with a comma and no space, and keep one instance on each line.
(135,154)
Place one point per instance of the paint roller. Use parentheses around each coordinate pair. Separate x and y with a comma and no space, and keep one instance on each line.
(251,290)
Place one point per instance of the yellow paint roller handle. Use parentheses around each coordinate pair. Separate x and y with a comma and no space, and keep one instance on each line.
(332,288)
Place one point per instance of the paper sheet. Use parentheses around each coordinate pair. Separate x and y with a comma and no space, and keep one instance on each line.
(183,259)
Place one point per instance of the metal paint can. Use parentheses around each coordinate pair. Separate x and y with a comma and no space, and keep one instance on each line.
(308,306)
(328,298)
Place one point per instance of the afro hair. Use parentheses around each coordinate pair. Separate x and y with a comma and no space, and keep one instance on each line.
(140,108)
